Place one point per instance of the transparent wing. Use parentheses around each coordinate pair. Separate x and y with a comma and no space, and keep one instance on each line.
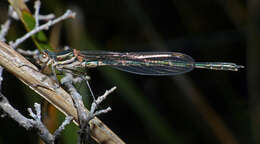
(143,63)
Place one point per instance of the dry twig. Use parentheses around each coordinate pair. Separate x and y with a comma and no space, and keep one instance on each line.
(35,123)
(83,117)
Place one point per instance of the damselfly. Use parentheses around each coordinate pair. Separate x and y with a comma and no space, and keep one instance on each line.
(142,63)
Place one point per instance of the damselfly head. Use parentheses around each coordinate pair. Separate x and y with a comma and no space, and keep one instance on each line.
(44,57)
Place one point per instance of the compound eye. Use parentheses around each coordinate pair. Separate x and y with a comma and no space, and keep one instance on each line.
(43,57)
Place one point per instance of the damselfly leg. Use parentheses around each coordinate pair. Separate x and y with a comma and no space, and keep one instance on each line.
(64,62)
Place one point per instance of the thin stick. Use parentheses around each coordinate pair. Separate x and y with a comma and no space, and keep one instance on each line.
(34,123)
(4,29)
(67,14)
(78,103)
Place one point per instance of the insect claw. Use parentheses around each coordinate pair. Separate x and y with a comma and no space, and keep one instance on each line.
(24,65)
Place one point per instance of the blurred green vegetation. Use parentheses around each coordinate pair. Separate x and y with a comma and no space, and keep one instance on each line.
(202,106)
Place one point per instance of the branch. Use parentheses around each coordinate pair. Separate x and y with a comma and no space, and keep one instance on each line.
(41,84)
(13,113)
(1,77)
(34,123)
(66,15)
(46,17)
(4,29)
(37,5)
(84,118)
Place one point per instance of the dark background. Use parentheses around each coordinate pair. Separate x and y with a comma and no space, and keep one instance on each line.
(199,107)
